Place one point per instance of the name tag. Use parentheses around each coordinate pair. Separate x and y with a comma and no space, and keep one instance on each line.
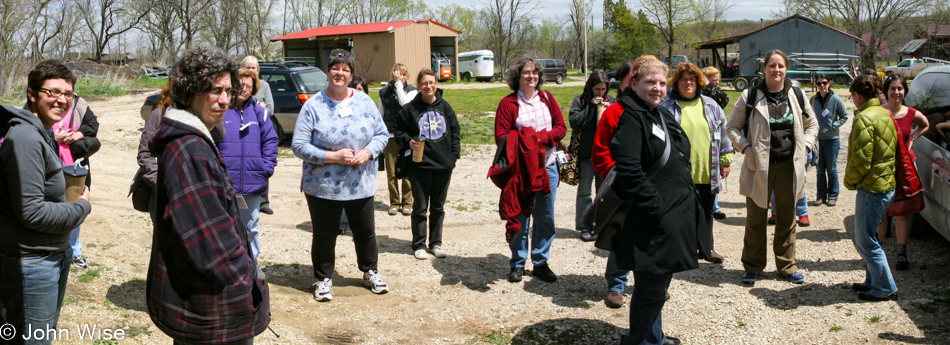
(344,112)
(658,132)
(717,135)
(825,112)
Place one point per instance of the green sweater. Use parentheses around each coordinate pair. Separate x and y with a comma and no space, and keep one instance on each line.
(872,149)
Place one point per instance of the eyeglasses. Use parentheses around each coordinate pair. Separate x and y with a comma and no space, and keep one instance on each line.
(822,83)
(247,87)
(534,72)
(694,80)
(56,94)
(216,92)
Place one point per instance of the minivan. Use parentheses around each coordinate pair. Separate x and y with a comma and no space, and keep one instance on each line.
(554,69)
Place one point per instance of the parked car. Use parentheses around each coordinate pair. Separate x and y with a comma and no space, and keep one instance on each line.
(554,69)
(677,59)
(930,92)
(291,83)
(910,68)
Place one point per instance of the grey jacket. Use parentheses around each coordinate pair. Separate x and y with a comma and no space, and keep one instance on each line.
(264,95)
(34,214)
(831,114)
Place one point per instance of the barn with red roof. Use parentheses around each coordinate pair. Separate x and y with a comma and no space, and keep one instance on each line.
(378,46)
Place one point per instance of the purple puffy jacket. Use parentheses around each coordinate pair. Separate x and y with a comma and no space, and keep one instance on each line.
(249,148)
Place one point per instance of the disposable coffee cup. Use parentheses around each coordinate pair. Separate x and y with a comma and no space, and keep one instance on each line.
(75,181)
(600,111)
(417,153)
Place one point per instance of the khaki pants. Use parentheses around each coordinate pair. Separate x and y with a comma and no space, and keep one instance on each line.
(754,250)
(390,153)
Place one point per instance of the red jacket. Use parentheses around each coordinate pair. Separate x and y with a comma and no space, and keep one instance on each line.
(522,177)
(507,113)
(600,156)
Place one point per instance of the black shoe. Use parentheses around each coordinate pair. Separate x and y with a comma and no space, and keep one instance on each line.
(672,341)
(817,202)
(831,202)
(771,220)
(902,263)
(719,215)
(544,273)
(266,210)
(867,296)
(858,287)
(515,274)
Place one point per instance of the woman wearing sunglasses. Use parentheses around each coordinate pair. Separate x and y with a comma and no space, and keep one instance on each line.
(831,114)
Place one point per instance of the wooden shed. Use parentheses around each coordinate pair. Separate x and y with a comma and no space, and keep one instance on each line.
(377,46)
(796,34)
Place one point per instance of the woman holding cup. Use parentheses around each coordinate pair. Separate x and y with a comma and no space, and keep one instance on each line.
(428,125)
(585,113)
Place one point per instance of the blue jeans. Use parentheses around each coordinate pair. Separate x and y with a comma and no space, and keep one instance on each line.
(869,210)
(716,204)
(251,216)
(543,233)
(616,277)
(585,170)
(344,223)
(74,242)
(646,306)
(828,169)
(31,290)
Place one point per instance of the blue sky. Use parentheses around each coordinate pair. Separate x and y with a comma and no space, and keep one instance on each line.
(743,9)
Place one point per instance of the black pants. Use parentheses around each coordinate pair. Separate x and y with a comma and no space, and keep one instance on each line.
(325,217)
(429,190)
(706,199)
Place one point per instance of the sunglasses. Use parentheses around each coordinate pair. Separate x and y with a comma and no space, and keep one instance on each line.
(822,83)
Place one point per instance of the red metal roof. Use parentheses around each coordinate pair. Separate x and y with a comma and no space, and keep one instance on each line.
(356,29)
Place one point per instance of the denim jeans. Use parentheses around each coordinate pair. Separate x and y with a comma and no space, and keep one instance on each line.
(616,277)
(869,210)
(542,235)
(585,170)
(31,290)
(74,242)
(646,306)
(716,204)
(828,169)
(251,216)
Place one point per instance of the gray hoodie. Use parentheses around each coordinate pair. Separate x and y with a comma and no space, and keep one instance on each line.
(34,215)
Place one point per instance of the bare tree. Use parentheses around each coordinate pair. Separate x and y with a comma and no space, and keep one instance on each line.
(107,19)
(374,11)
(189,13)
(257,20)
(469,20)
(162,27)
(509,26)
(878,19)
(313,13)
(580,13)
(18,19)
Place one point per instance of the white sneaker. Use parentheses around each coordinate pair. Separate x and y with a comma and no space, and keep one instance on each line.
(438,252)
(420,254)
(324,290)
(374,281)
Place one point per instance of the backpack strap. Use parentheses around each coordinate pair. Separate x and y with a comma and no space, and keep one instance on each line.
(801,100)
(750,101)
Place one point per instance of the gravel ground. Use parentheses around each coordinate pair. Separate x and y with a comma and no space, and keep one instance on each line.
(465,298)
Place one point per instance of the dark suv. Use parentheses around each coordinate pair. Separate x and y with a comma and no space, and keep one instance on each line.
(291,83)
(554,69)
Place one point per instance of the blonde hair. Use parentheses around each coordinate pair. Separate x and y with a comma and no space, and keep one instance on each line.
(402,68)
(651,65)
(249,61)
(710,71)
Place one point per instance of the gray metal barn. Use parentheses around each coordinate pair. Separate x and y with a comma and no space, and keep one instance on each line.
(794,34)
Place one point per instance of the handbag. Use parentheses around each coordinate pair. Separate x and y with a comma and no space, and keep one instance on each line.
(568,171)
(607,211)
(401,169)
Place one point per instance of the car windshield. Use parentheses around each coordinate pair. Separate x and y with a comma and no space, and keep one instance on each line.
(311,81)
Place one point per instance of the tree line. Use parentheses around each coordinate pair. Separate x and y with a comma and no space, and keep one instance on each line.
(160,30)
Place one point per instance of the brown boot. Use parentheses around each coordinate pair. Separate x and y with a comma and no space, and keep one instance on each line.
(614,299)
(716,258)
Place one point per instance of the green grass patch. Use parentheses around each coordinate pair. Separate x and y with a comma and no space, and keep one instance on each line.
(835,328)
(149,83)
(105,342)
(108,245)
(495,337)
(94,88)
(875,319)
(90,275)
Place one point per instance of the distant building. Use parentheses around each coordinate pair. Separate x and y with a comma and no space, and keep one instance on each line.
(930,40)
(377,46)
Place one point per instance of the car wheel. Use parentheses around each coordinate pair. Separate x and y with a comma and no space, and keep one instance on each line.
(281,136)
(740,84)
(559,78)
(467,77)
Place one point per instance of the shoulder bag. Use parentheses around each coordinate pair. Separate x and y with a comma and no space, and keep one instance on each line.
(607,211)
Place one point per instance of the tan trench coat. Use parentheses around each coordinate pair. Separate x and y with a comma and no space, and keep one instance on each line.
(754,175)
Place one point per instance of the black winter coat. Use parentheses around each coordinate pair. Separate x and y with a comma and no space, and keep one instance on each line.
(662,232)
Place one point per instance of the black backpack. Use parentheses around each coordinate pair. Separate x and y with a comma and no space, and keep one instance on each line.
(754,93)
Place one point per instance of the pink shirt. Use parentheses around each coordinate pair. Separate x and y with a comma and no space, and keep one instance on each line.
(535,114)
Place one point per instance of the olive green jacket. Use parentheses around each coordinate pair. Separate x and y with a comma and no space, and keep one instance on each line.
(872,150)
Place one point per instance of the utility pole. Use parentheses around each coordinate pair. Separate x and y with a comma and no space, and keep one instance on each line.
(584,22)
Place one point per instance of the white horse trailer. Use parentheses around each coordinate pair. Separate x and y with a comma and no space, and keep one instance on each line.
(479,64)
